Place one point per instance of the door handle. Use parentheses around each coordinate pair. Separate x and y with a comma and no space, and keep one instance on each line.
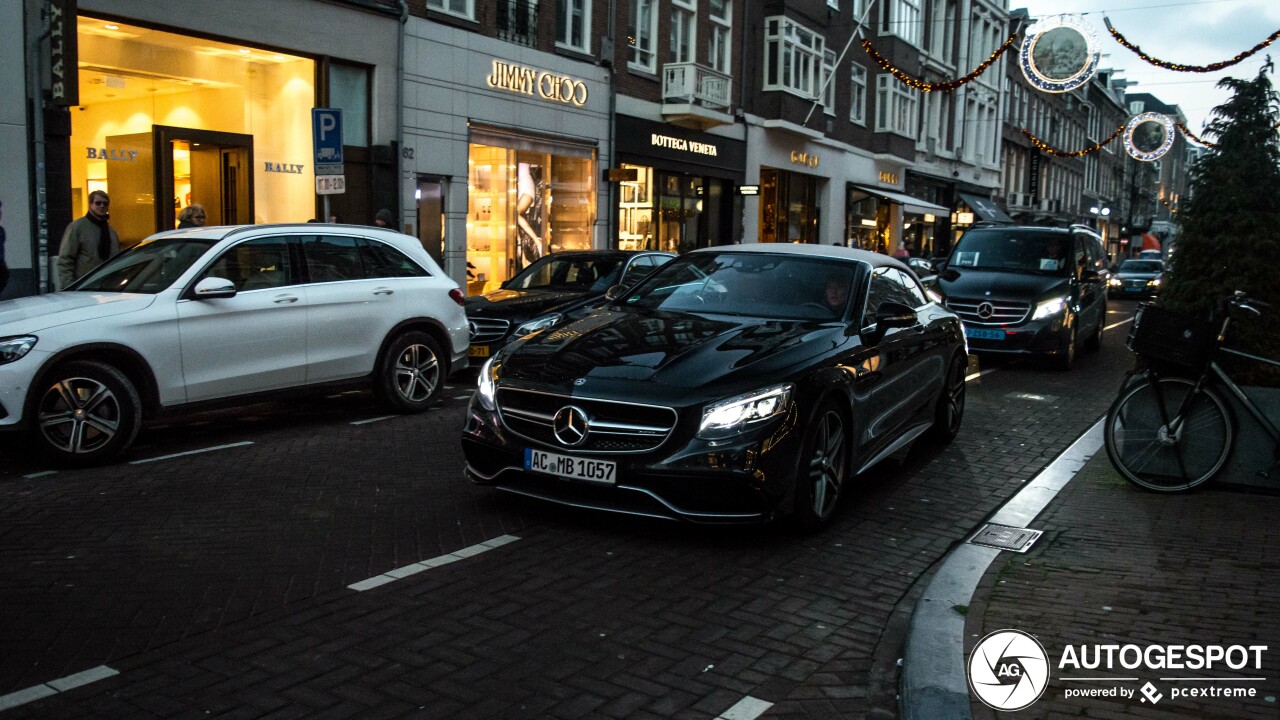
(383,291)
(279,299)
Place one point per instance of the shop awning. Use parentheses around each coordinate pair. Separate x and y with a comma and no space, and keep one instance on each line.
(910,204)
(985,208)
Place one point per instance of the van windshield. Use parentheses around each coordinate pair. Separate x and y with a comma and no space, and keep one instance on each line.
(1036,251)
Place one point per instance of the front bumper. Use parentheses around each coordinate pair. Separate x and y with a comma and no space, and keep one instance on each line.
(1047,336)
(731,482)
(15,382)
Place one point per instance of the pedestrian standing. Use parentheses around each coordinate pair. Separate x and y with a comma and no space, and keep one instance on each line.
(383,218)
(191,216)
(4,268)
(87,241)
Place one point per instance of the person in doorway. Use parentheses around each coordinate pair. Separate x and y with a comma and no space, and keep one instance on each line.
(191,216)
(87,241)
(383,218)
(4,269)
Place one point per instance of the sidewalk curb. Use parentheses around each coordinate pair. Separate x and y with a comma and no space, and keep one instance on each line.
(934,682)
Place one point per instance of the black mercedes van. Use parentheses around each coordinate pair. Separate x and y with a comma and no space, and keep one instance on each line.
(1028,289)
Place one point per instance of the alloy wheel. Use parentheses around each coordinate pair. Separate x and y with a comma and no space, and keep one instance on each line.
(827,466)
(955,396)
(79,415)
(417,372)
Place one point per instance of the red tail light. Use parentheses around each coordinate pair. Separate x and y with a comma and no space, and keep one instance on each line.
(457,296)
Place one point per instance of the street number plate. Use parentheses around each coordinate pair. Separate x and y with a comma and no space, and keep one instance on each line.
(984,334)
(599,471)
(478,351)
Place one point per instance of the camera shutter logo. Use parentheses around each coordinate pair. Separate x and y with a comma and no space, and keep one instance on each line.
(1008,670)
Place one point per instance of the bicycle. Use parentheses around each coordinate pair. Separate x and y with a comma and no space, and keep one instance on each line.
(1170,430)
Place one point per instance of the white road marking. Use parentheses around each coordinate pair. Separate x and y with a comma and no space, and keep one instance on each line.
(748,708)
(372,420)
(1116,325)
(975,376)
(35,692)
(191,452)
(415,568)
(42,473)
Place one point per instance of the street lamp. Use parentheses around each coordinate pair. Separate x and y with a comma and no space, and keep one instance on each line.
(1098,214)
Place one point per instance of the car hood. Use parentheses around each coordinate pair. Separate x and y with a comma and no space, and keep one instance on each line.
(40,312)
(680,350)
(998,285)
(524,304)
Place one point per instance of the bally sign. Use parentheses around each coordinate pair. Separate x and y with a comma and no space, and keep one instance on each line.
(64,77)
(529,81)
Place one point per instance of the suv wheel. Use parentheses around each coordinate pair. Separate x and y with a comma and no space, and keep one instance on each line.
(411,374)
(86,413)
(1067,357)
(1094,343)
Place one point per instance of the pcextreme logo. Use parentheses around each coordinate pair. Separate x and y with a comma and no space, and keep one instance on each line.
(1008,670)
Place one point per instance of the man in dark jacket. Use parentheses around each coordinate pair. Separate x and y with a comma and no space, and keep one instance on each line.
(87,241)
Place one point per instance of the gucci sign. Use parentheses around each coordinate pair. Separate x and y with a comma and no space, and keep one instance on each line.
(530,81)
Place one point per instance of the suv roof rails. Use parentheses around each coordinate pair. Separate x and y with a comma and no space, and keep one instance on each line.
(991,223)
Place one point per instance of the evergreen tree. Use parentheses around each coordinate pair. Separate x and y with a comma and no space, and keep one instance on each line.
(1229,227)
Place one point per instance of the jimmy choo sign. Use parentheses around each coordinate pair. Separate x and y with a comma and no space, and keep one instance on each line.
(531,81)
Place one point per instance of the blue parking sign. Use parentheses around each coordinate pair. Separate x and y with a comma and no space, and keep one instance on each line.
(326,135)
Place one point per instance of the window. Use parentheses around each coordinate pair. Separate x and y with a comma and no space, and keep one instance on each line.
(573,24)
(255,264)
(858,94)
(331,259)
(383,261)
(828,84)
(349,92)
(684,31)
(721,35)
(901,18)
(641,32)
(461,8)
(895,106)
(793,57)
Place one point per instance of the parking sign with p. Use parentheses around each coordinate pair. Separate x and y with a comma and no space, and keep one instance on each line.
(326,137)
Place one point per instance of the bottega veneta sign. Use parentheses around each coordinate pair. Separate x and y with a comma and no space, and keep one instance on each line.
(675,143)
(540,83)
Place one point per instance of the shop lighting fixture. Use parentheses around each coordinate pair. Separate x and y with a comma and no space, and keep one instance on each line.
(244,51)
(110,26)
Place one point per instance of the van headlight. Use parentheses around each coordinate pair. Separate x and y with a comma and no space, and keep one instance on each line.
(13,349)
(486,386)
(736,414)
(1049,308)
(538,323)
(1115,282)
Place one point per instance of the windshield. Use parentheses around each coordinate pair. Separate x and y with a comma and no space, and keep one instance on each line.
(572,272)
(1141,266)
(757,285)
(1038,251)
(147,267)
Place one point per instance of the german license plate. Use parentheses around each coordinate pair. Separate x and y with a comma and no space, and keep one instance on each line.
(984,334)
(548,463)
(478,351)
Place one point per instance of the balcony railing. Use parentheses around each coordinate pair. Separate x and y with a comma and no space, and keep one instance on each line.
(517,21)
(696,84)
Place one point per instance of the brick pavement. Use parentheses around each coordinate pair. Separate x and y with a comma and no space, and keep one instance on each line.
(239,606)
(1118,565)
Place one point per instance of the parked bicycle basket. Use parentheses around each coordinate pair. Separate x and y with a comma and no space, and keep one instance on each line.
(1165,336)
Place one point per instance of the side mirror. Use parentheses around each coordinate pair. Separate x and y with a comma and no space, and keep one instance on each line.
(938,264)
(894,315)
(212,288)
(614,292)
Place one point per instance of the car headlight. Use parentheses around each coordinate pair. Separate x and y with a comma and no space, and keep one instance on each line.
(538,323)
(732,416)
(1154,282)
(485,385)
(1115,282)
(15,348)
(1049,308)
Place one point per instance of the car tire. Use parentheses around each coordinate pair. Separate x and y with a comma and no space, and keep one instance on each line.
(1094,342)
(85,413)
(1067,358)
(822,469)
(949,410)
(410,375)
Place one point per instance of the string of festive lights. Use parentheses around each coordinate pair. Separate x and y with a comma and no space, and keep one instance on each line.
(944,86)
(1211,67)
(1192,136)
(1172,209)
(1048,149)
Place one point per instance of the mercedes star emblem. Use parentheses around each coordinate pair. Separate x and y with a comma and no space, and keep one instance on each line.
(570,426)
(986,310)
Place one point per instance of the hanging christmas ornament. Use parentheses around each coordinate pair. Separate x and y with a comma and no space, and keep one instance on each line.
(1148,136)
(1059,53)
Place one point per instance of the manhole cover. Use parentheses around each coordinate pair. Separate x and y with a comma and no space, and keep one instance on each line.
(1004,537)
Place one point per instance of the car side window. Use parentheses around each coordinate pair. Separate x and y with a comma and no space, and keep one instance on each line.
(912,296)
(258,264)
(331,259)
(638,268)
(881,290)
(383,261)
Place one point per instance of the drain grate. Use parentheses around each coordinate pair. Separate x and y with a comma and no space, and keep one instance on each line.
(1005,537)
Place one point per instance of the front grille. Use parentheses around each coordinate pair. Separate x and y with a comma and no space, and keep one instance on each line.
(487,330)
(614,427)
(1003,312)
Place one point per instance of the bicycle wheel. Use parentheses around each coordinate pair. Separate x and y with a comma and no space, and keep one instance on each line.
(1157,451)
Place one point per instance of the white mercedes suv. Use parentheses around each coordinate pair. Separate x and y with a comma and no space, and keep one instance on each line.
(189,317)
